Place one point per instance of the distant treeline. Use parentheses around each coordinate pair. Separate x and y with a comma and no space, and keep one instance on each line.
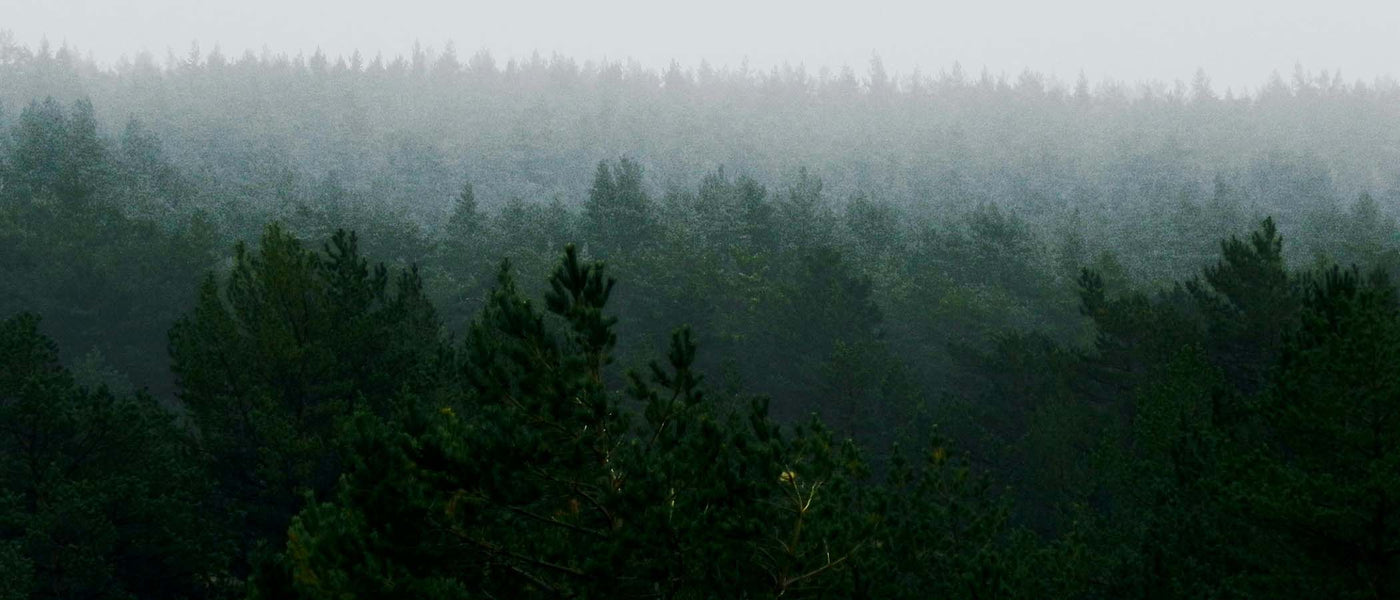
(403,133)
(1074,360)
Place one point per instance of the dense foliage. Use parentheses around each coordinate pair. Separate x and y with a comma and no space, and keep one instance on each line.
(332,350)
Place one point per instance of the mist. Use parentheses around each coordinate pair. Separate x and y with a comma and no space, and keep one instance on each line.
(718,300)
(1237,43)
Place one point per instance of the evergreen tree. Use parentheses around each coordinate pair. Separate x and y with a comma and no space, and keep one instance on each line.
(1245,299)
(465,222)
(1326,479)
(460,268)
(273,358)
(807,218)
(58,154)
(101,496)
(535,480)
(874,227)
(618,211)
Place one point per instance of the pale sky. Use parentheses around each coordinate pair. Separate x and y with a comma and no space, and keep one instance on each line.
(1237,43)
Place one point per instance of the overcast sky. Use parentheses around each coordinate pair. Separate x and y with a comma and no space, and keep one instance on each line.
(1237,43)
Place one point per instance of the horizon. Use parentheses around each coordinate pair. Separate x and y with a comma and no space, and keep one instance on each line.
(171,58)
(1239,47)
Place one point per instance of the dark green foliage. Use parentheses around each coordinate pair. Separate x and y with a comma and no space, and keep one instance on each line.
(534,480)
(808,218)
(273,358)
(1251,449)
(1172,529)
(1196,421)
(618,210)
(1024,415)
(1326,480)
(110,282)
(1244,299)
(465,223)
(101,496)
(57,155)
(732,216)
(874,226)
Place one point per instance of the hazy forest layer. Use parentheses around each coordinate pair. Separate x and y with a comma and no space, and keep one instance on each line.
(1114,159)
(297,327)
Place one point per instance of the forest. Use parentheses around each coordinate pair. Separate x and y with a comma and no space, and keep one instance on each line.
(323,327)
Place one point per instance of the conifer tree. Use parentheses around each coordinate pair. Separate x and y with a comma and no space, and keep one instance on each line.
(1326,479)
(101,496)
(272,359)
(465,221)
(1245,299)
(534,479)
(617,212)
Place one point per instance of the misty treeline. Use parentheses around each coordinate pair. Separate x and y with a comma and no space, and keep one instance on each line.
(1113,159)
(291,327)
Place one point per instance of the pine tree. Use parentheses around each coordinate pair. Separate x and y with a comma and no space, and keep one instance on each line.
(535,480)
(465,222)
(1246,298)
(1326,478)
(103,496)
(271,360)
(618,211)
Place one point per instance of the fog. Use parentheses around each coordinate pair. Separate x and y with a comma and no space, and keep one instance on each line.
(1237,43)
(315,300)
